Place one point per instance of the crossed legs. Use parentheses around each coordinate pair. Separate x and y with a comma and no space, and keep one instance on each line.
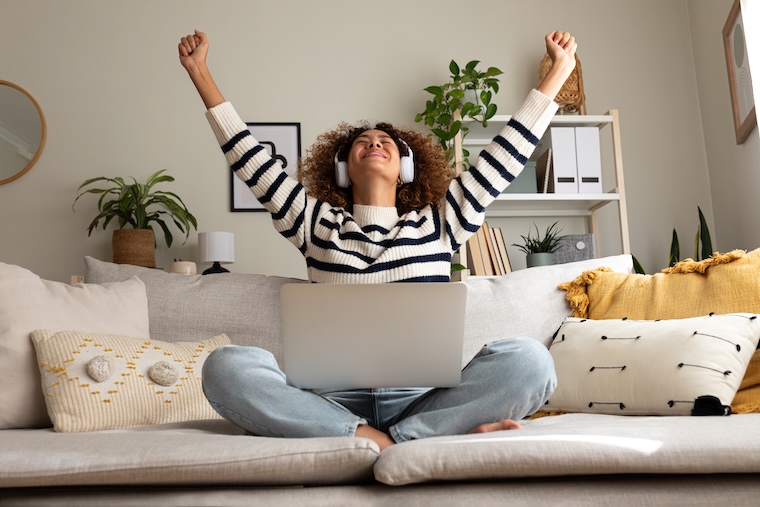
(506,381)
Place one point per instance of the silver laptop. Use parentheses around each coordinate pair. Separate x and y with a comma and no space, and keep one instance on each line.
(357,336)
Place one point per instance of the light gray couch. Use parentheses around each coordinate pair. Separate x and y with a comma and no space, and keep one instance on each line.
(572,459)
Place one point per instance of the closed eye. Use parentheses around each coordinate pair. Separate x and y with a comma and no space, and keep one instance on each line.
(363,139)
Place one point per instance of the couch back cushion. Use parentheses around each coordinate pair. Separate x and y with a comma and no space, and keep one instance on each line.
(526,302)
(27,302)
(246,307)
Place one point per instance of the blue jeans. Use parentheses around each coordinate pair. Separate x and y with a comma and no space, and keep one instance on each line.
(507,379)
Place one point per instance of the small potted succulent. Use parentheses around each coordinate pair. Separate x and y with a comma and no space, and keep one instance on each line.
(135,206)
(469,92)
(540,250)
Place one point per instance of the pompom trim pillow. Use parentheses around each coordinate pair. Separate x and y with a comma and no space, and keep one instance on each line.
(97,381)
(724,283)
(663,367)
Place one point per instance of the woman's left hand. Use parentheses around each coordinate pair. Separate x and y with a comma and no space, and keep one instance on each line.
(561,47)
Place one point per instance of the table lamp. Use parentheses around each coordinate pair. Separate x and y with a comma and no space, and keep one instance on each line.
(217,248)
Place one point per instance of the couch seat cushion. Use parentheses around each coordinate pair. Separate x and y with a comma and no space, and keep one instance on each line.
(581,444)
(210,452)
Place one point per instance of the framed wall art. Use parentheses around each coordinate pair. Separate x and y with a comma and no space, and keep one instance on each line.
(739,79)
(283,142)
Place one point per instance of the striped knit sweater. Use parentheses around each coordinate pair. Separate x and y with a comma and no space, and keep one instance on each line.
(374,244)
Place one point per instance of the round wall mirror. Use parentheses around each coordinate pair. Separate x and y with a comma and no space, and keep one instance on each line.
(22,131)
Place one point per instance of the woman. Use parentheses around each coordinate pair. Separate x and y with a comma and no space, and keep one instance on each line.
(377,204)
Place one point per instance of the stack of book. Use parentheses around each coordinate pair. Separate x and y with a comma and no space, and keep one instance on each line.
(487,253)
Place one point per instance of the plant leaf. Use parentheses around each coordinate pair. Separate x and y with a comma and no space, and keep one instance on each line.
(637,268)
(491,111)
(455,127)
(167,233)
(130,203)
(704,236)
(675,250)
(435,90)
(441,134)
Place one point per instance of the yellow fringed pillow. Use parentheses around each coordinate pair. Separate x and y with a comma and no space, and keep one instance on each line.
(724,283)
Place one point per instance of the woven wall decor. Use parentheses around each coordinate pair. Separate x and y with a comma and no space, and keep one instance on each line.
(571,97)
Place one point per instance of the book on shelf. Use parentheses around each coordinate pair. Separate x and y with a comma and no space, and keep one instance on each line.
(492,260)
(498,263)
(544,173)
(502,250)
(474,257)
(487,254)
(487,264)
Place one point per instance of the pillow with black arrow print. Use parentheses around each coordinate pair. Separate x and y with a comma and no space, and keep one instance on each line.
(652,367)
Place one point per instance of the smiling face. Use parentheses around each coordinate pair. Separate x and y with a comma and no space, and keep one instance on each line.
(374,156)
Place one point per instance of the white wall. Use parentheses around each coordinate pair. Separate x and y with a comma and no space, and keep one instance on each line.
(118,103)
(734,169)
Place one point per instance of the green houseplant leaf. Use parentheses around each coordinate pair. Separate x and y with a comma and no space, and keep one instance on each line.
(549,243)
(137,205)
(704,236)
(449,98)
(675,250)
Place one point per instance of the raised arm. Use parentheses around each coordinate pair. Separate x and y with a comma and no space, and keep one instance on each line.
(560,46)
(281,195)
(504,158)
(193,50)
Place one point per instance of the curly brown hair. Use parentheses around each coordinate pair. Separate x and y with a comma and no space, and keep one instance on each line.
(431,172)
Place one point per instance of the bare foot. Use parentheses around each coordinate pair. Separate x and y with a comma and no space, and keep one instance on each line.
(504,424)
(383,440)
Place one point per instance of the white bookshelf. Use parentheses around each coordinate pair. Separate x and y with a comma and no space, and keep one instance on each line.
(561,205)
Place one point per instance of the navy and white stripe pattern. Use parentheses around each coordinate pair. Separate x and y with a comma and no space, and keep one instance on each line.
(374,244)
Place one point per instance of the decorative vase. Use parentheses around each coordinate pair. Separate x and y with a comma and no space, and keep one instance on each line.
(134,246)
(540,259)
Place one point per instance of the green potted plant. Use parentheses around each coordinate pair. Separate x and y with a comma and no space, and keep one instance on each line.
(135,206)
(469,91)
(540,250)
(702,238)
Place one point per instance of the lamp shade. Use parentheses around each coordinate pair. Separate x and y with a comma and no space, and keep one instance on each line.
(216,247)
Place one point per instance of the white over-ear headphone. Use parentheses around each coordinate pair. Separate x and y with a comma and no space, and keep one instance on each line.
(406,175)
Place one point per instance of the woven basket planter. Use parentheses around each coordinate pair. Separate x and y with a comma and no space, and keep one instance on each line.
(571,97)
(134,246)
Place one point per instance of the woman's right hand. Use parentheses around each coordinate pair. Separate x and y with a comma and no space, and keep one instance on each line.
(561,47)
(193,50)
